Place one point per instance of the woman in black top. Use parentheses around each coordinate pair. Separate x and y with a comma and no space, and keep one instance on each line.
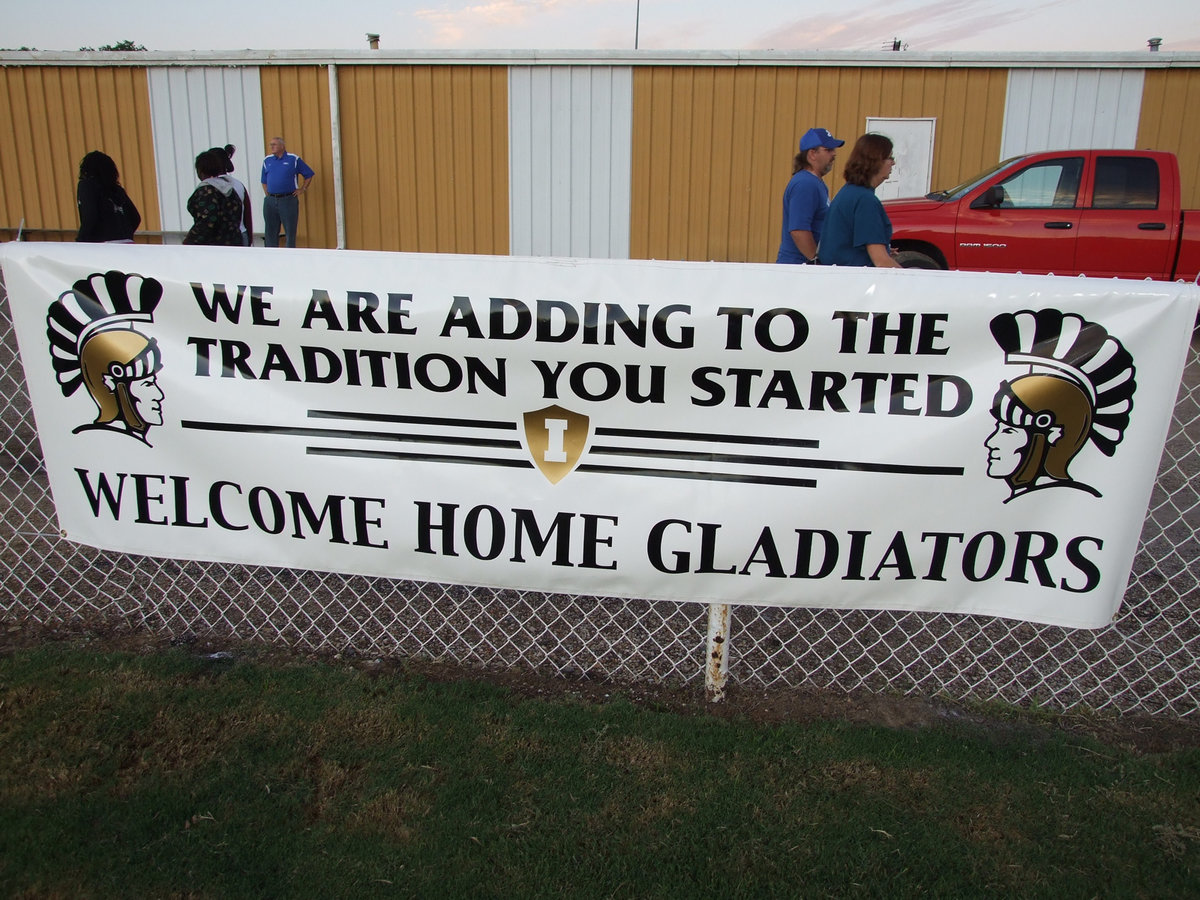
(106,214)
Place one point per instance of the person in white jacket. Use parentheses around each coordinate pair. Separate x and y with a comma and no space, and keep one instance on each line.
(243,193)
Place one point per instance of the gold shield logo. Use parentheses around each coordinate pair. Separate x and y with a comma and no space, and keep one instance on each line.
(555,438)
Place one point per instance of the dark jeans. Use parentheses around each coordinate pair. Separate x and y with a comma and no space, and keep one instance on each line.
(280,211)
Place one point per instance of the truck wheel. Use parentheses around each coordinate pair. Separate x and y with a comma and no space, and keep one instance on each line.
(911,259)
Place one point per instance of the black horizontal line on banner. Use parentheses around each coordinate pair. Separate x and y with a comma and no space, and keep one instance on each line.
(296,431)
(805,443)
(420,457)
(410,420)
(845,465)
(591,468)
(698,476)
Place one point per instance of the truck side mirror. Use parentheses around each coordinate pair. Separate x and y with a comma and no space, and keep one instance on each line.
(992,198)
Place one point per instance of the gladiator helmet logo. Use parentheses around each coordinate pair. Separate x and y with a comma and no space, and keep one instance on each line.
(94,344)
(1077,388)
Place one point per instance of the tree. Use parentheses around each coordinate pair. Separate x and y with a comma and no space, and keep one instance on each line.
(119,47)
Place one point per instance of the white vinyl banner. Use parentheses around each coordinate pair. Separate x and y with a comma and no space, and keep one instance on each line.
(760,434)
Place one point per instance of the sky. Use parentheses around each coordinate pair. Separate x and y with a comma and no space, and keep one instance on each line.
(921,25)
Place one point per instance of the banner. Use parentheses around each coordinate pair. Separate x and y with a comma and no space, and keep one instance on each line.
(757,434)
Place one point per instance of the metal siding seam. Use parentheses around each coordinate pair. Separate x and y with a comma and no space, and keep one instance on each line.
(463,179)
(1091,125)
(620,163)
(560,162)
(335,130)
(648,92)
(582,153)
(442,115)
(520,187)
(425,171)
(706,231)
(599,210)
(408,171)
(719,116)
(1059,122)
(43,213)
(541,193)
(498,135)
(1014,133)
(10,170)
(1129,107)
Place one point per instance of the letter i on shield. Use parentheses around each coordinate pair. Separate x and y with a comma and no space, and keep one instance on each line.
(555,438)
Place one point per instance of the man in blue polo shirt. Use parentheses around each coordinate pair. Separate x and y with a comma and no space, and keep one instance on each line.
(281,205)
(806,197)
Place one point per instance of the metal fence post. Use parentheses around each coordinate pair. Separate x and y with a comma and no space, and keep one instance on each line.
(716,669)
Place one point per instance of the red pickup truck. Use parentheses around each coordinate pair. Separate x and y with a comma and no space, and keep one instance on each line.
(1108,213)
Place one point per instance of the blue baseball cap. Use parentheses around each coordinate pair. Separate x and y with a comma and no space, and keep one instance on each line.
(819,137)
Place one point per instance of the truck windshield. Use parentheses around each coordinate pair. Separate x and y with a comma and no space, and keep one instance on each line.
(958,191)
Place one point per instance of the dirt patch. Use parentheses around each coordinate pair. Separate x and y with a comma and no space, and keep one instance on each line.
(1138,733)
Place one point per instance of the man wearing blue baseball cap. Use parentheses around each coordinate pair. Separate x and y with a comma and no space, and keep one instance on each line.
(806,197)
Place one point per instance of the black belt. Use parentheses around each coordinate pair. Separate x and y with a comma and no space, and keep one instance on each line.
(288,194)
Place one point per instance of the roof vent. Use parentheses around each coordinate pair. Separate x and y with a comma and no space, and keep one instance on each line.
(1154,44)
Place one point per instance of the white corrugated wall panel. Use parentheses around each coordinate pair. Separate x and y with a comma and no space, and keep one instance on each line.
(570,160)
(1071,109)
(194,108)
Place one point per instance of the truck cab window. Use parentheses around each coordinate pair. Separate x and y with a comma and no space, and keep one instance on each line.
(1049,185)
(1125,182)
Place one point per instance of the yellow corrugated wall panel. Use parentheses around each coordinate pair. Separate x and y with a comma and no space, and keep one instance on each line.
(52,116)
(425,158)
(1170,98)
(295,106)
(713,146)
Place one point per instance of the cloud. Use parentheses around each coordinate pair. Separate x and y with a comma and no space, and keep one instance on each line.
(452,25)
(497,23)
(928,26)
(1190,43)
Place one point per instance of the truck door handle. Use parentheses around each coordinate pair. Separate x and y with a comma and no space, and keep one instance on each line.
(1152,226)
(1061,226)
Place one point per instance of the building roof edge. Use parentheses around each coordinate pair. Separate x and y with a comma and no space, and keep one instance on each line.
(1143,59)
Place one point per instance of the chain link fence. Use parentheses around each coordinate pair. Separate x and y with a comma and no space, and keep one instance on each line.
(1146,661)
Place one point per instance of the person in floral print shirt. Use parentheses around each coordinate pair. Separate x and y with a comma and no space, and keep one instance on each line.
(215,205)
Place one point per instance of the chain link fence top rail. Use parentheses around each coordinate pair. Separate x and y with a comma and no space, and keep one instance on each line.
(1146,661)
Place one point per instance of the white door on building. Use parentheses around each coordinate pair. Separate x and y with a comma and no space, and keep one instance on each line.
(913,142)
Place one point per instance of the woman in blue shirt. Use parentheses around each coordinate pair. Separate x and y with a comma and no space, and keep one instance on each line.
(857,230)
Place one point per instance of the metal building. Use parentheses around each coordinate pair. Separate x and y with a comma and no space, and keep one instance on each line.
(666,155)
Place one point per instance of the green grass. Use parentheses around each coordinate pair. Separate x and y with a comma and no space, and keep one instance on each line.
(172,775)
